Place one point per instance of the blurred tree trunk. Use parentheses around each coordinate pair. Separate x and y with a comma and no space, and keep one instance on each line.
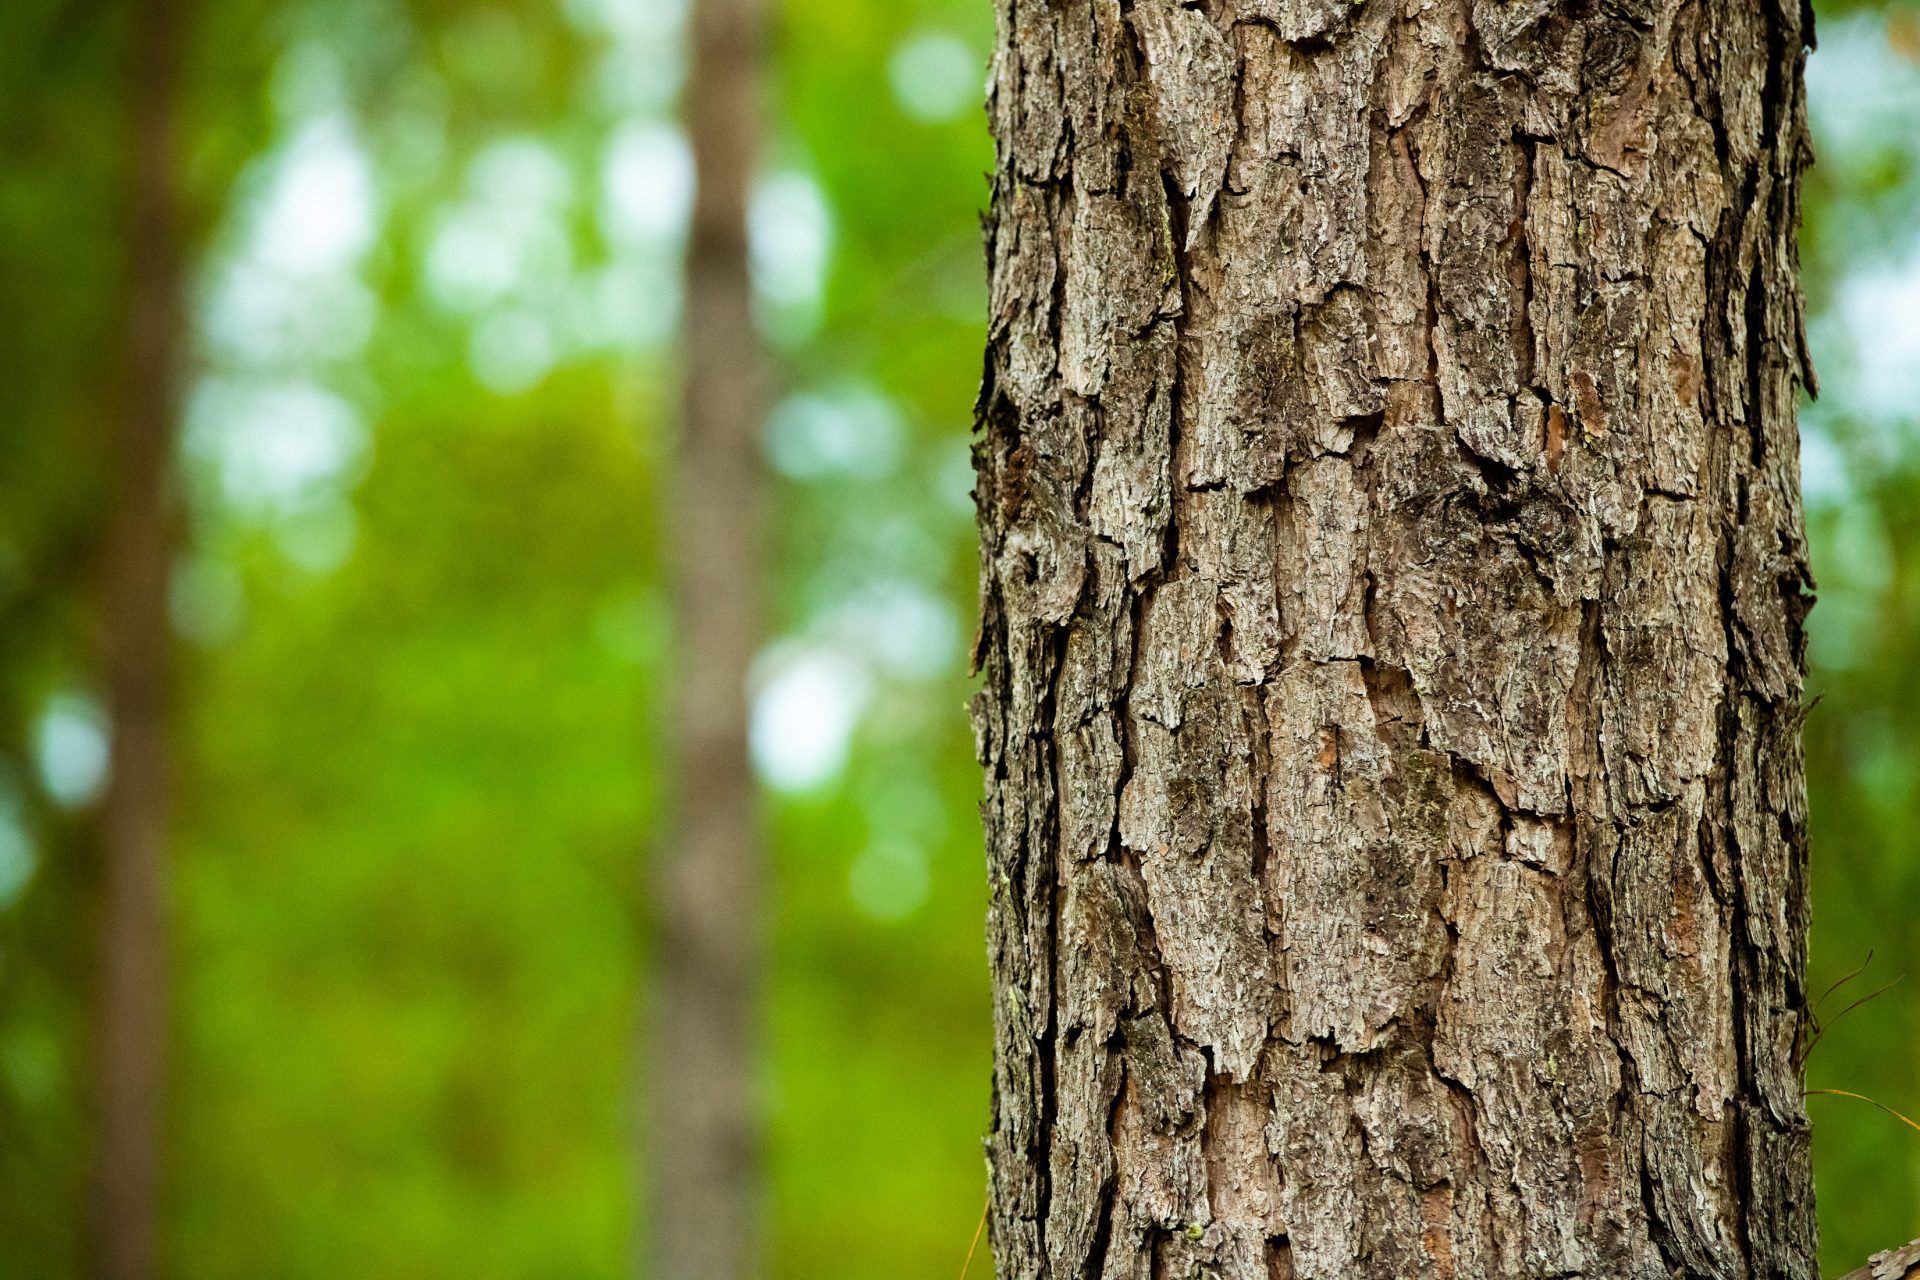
(704,1149)
(1393,590)
(130,1037)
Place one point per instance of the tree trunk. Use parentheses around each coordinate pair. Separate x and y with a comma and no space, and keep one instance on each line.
(704,1152)
(1393,580)
(130,1036)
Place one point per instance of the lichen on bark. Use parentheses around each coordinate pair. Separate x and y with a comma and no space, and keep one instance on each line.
(1392,588)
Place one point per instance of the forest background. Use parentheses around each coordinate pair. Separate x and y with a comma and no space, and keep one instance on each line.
(425,648)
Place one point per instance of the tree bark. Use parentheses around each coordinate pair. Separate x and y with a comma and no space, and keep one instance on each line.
(130,1036)
(704,1152)
(1393,586)
(1890,1264)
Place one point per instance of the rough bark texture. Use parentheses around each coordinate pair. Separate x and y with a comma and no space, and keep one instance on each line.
(1393,580)
(704,1148)
(130,1040)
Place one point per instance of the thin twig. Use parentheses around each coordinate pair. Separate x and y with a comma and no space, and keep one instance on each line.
(1871,995)
(1844,979)
(1821,1028)
(1842,1093)
(975,1242)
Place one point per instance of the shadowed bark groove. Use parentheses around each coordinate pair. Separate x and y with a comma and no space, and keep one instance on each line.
(1392,589)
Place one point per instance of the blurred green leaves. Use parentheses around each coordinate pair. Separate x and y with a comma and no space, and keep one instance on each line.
(425,646)
(1861,470)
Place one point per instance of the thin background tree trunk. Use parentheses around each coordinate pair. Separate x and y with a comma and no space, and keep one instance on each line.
(1393,580)
(704,1152)
(130,1038)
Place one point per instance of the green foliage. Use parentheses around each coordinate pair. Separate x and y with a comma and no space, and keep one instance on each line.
(408,944)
